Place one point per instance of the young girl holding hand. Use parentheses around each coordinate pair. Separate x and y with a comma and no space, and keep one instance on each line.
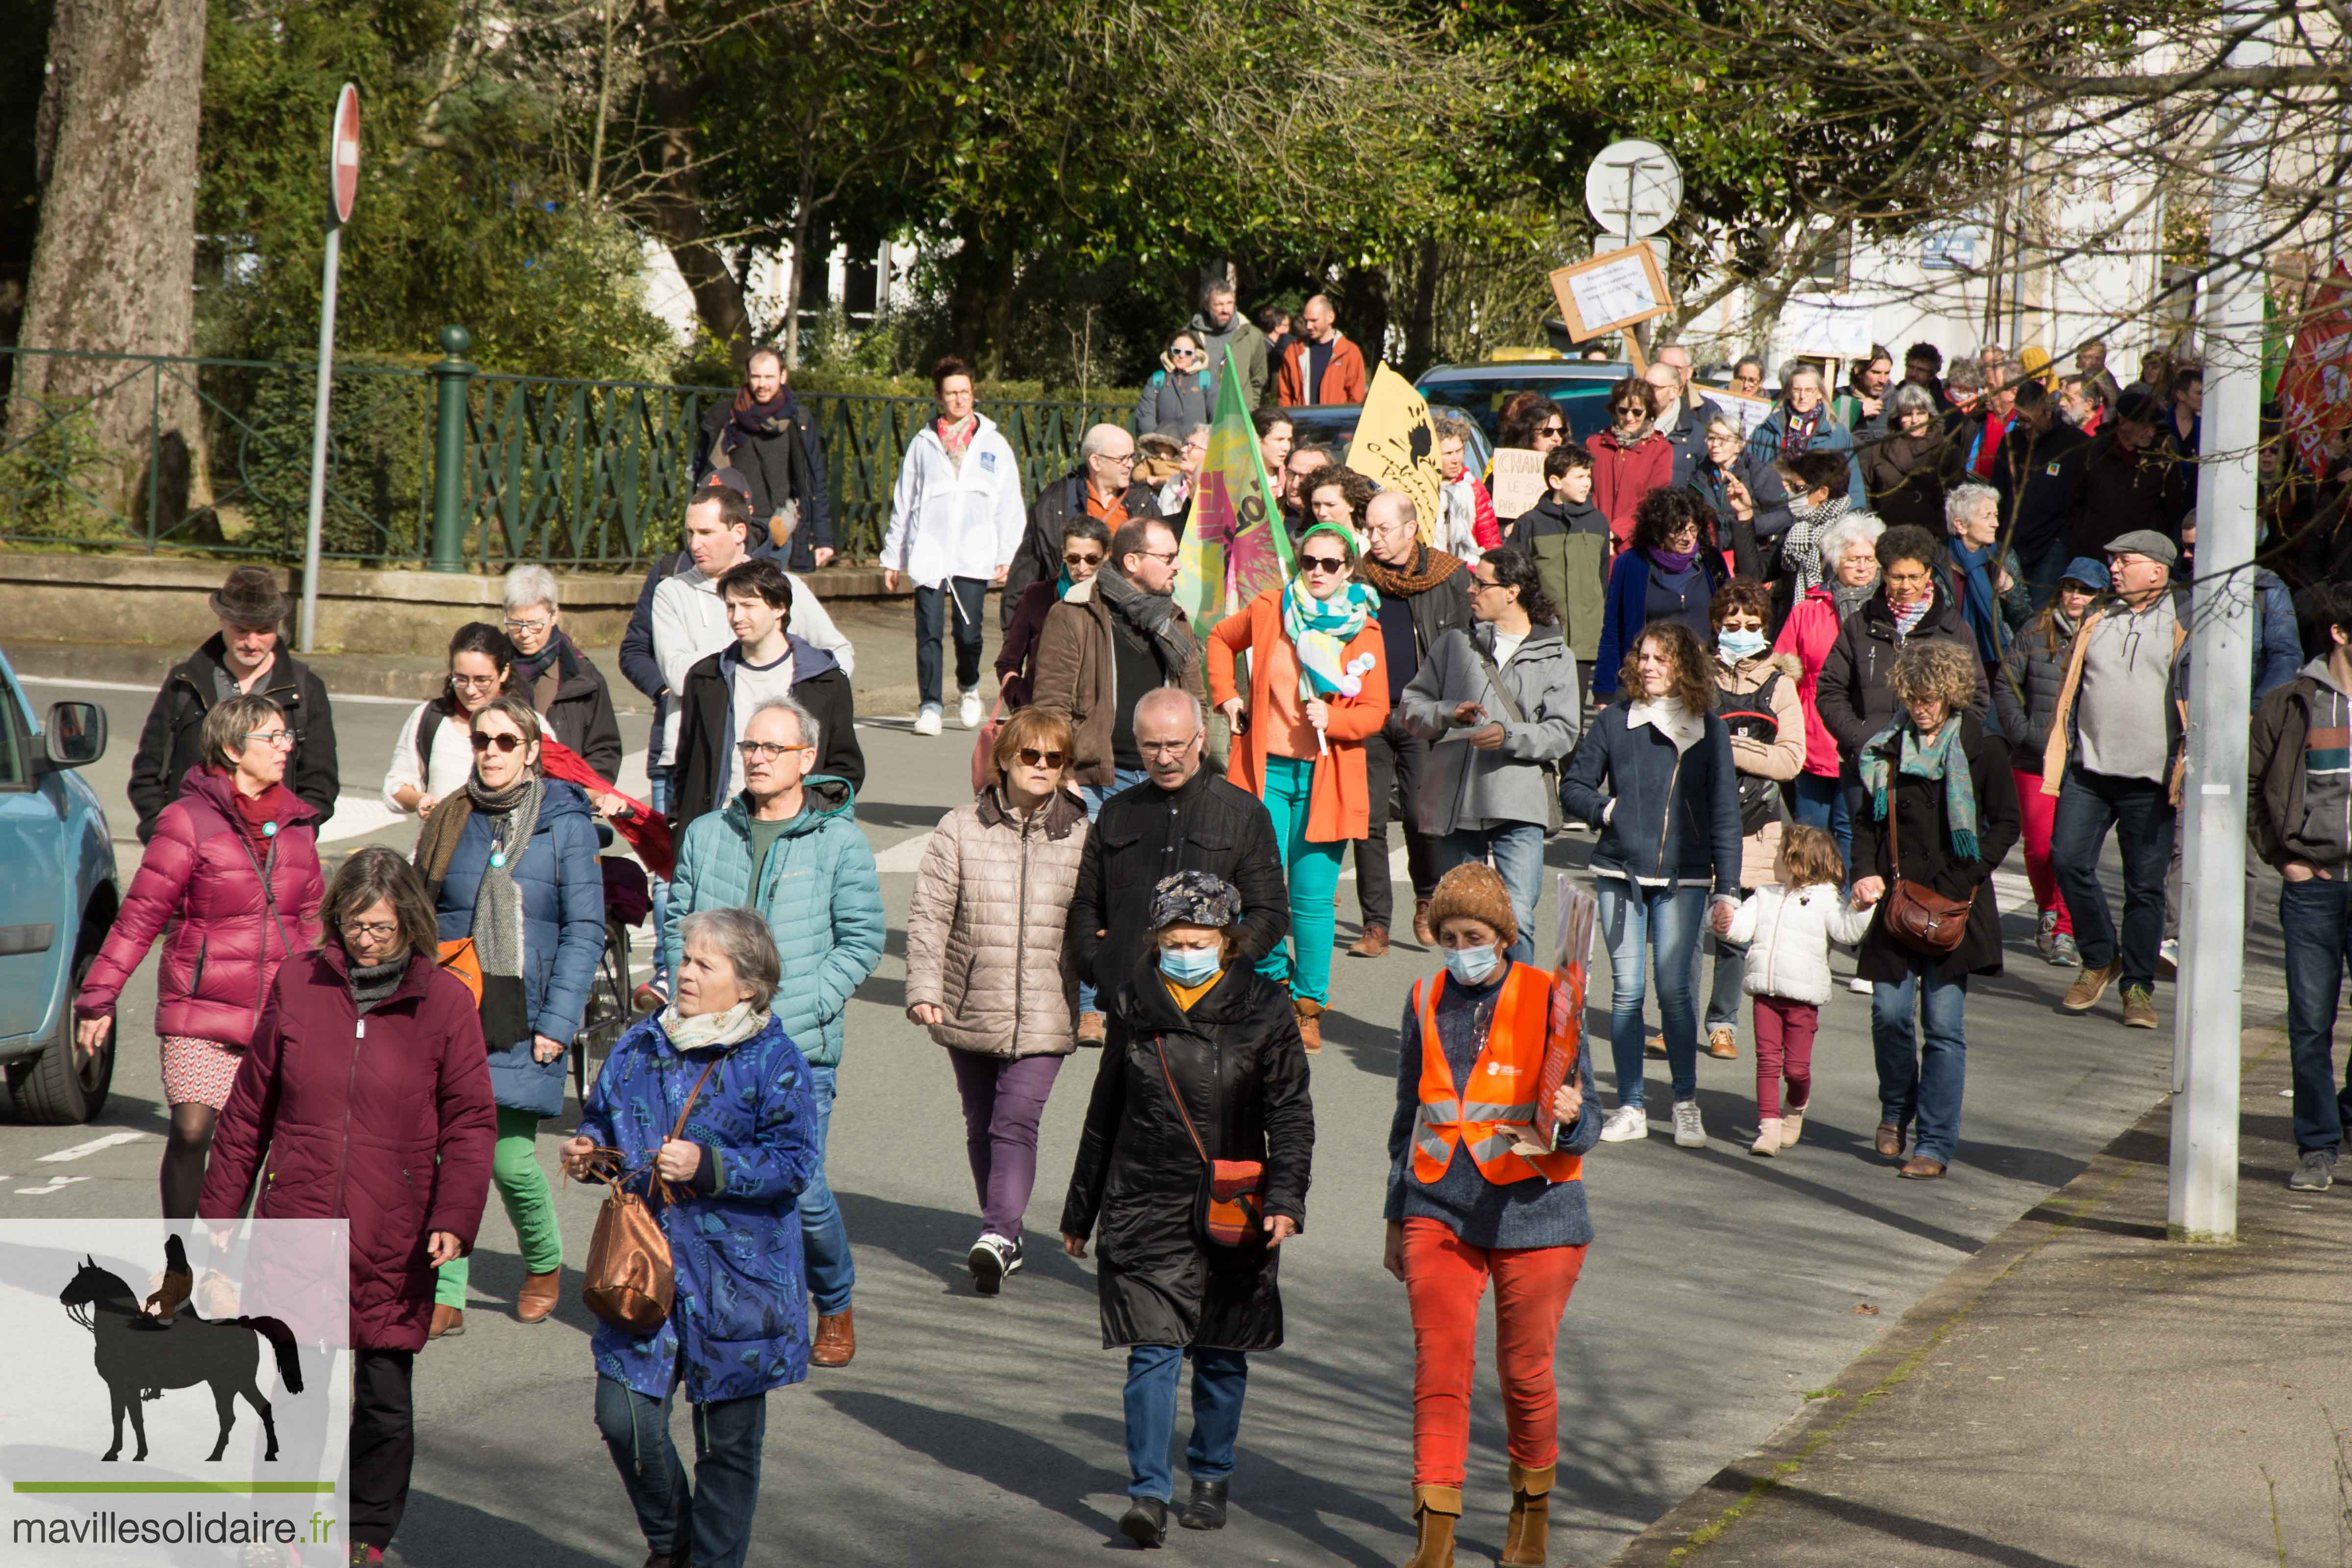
(1788,925)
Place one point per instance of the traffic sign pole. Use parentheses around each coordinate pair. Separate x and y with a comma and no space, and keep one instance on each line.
(342,179)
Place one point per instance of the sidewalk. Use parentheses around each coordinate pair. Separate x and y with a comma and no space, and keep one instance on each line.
(2082,1392)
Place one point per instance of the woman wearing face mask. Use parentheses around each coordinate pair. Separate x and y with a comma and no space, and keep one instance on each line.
(1654,775)
(2025,698)
(1085,542)
(1465,1205)
(1939,809)
(1803,422)
(1203,1064)
(1629,458)
(1671,574)
(1316,688)
(1849,573)
(435,754)
(987,972)
(511,861)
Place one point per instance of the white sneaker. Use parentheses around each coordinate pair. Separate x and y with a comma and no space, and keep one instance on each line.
(968,709)
(990,1259)
(1690,1131)
(927,722)
(1858,985)
(1624,1124)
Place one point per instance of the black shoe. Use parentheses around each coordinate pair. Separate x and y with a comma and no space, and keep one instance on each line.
(1207,1509)
(1146,1523)
(2314,1173)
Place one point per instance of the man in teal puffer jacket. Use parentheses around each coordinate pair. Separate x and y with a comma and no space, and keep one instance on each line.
(788,848)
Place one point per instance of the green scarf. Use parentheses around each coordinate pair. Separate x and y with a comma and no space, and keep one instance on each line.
(1320,630)
(1939,759)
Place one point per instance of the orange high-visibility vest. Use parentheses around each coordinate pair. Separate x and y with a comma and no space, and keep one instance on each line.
(1502,1086)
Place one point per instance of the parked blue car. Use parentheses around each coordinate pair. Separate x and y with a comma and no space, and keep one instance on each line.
(58,894)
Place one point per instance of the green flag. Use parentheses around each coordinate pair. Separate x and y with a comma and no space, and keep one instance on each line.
(1236,546)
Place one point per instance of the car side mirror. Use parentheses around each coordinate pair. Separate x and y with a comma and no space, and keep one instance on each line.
(75,735)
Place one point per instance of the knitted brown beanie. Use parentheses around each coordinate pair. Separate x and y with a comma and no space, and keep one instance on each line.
(1477,891)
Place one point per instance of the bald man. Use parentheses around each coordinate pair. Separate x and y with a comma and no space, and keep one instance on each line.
(1321,365)
(1103,486)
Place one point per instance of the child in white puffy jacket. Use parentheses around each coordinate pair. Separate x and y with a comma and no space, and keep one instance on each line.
(1788,926)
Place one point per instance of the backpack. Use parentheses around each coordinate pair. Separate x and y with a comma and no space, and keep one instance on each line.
(1750,714)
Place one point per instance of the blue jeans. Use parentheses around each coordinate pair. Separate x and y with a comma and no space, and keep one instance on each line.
(2316,922)
(657,796)
(1920,1074)
(728,1435)
(1515,848)
(1664,920)
(2140,812)
(1820,803)
(1730,962)
(824,1239)
(1122,779)
(1219,1378)
(931,616)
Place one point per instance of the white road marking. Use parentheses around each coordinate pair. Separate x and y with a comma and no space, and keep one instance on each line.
(56,1184)
(905,856)
(80,1150)
(151,689)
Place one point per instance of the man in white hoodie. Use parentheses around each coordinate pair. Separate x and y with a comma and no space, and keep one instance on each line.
(956,520)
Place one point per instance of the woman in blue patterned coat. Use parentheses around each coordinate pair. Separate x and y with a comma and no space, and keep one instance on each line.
(711,1096)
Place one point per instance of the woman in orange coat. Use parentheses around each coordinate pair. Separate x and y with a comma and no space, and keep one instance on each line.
(1319,685)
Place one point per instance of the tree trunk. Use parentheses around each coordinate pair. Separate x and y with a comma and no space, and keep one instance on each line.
(1420,316)
(113,267)
(673,209)
(1364,312)
(979,302)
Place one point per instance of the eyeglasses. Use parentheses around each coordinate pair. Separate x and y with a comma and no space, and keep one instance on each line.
(1322,563)
(1552,430)
(507,743)
(473,682)
(272,737)
(528,626)
(1081,560)
(1125,462)
(1167,557)
(1031,757)
(370,931)
(1165,748)
(1740,624)
(766,750)
(1480,585)
(1623,409)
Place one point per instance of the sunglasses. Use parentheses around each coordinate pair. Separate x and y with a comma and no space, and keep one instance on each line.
(507,744)
(1031,757)
(1552,430)
(1075,560)
(1323,563)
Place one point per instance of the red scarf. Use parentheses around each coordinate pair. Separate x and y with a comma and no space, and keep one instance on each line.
(257,810)
(956,437)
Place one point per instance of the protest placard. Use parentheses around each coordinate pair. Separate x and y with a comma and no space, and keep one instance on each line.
(1518,481)
(1616,290)
(1834,325)
(1395,448)
(1748,411)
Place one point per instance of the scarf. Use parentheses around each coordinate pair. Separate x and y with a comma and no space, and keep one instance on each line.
(497,902)
(528,668)
(1797,435)
(262,814)
(1673,562)
(1669,717)
(732,1027)
(957,438)
(375,982)
(1977,597)
(1908,617)
(1319,629)
(1938,759)
(1152,616)
(1849,599)
(1802,544)
(1429,568)
(750,417)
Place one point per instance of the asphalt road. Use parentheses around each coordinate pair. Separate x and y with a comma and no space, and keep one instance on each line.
(1721,1289)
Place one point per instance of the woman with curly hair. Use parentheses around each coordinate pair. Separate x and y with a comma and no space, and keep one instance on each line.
(1938,811)
(1654,775)
(1669,572)
(1338,494)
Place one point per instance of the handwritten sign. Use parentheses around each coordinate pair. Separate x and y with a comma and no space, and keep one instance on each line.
(1835,325)
(1518,481)
(1395,447)
(1748,413)
(1617,289)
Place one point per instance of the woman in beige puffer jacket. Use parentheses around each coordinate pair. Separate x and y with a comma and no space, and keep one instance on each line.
(987,971)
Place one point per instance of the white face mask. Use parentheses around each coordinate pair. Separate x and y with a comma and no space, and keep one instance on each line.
(1740,645)
(1471,965)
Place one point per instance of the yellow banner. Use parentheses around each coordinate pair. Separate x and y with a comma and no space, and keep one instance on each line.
(1395,448)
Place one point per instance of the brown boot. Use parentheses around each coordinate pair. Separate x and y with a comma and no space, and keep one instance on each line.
(538,1296)
(1310,1023)
(448,1322)
(1423,932)
(1092,1028)
(1371,944)
(837,1340)
(1435,1512)
(1528,1542)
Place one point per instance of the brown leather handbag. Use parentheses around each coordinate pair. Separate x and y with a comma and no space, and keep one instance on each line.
(630,1283)
(1231,1208)
(1916,915)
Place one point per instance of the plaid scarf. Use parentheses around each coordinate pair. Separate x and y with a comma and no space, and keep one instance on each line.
(1938,759)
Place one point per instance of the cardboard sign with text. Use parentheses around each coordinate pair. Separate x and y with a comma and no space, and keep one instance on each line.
(1748,413)
(1395,447)
(1518,481)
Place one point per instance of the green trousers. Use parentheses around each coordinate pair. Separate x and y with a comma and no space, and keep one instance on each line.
(522,1187)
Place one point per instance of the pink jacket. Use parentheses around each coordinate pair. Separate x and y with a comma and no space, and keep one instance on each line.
(1812,628)
(228,932)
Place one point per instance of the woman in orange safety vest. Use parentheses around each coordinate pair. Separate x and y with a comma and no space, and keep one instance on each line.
(1464,1207)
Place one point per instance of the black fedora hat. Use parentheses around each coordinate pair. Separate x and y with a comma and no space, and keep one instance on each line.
(251,597)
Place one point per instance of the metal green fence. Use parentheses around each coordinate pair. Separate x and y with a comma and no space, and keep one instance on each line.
(437,465)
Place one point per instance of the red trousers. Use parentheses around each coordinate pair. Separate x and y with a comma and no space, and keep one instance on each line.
(1444,1277)
(2038,812)
(1784,1049)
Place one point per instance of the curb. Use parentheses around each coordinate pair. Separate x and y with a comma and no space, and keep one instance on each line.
(1685,1532)
(407,676)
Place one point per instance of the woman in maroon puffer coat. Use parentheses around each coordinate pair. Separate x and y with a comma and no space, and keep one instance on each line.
(234,862)
(366,1093)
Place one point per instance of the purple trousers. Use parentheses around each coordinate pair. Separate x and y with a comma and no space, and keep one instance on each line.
(1003,1100)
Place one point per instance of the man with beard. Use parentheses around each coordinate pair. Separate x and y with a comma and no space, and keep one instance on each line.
(768,437)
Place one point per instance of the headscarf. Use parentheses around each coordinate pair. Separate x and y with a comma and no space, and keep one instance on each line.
(1319,630)
(1938,759)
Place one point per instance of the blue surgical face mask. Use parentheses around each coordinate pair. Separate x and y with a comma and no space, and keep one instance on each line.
(1189,965)
(1471,965)
(1740,645)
